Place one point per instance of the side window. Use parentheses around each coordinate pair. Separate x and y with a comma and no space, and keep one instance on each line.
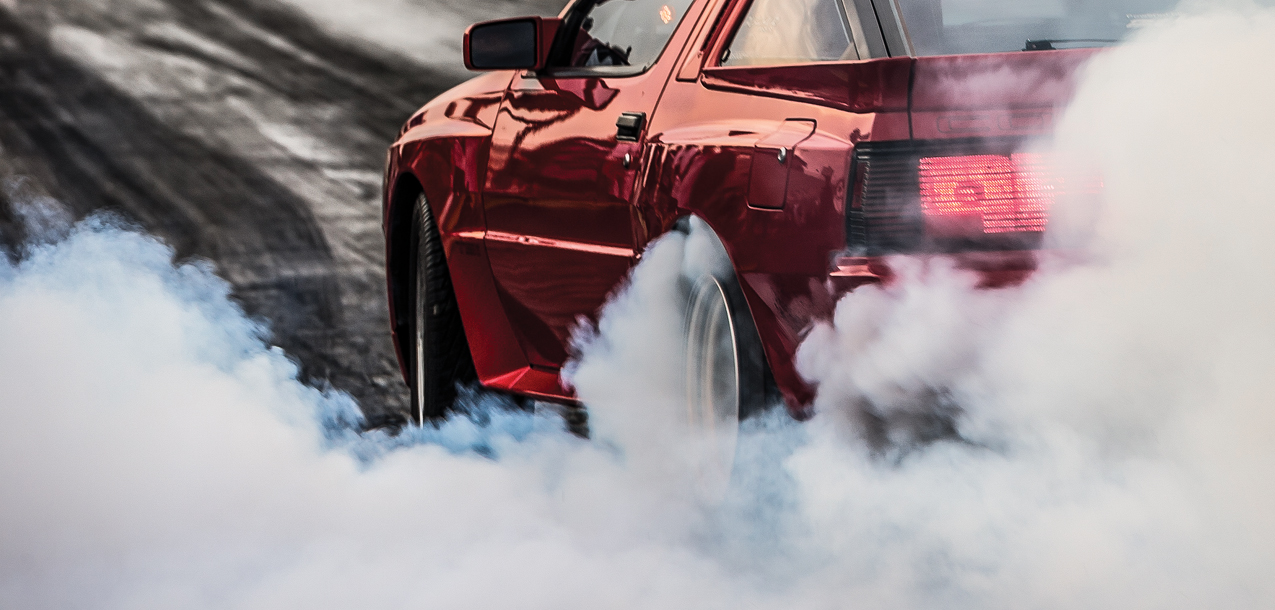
(623,32)
(778,32)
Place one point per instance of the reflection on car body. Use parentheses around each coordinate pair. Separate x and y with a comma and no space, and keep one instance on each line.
(813,138)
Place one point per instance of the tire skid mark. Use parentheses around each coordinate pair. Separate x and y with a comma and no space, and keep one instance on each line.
(268,219)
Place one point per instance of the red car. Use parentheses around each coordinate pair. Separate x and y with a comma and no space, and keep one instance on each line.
(812,137)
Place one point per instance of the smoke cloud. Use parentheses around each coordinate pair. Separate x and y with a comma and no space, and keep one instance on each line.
(1104,422)
(1098,437)
(156,453)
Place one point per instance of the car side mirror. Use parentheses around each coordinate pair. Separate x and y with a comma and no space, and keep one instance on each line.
(510,44)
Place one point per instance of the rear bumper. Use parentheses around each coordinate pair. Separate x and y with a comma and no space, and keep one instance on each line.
(994,269)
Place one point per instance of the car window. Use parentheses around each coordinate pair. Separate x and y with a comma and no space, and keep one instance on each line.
(778,32)
(951,27)
(624,32)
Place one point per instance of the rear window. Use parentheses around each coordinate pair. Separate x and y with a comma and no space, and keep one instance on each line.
(952,27)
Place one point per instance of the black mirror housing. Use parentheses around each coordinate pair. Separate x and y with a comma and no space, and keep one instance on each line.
(522,43)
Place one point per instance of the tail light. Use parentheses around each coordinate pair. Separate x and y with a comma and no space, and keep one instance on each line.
(989,194)
(949,196)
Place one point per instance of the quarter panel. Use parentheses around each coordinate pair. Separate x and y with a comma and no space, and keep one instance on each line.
(700,164)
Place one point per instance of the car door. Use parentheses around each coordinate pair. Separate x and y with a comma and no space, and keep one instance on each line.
(565,154)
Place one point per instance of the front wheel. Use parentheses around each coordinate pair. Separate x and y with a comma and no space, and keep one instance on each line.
(440,352)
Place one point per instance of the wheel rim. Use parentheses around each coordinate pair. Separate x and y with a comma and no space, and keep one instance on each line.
(712,385)
(420,330)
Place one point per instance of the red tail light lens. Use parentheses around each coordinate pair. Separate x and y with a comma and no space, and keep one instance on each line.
(985,194)
(956,196)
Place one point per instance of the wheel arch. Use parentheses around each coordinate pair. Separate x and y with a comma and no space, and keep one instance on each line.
(412,179)
(743,305)
(446,161)
(704,174)
(398,244)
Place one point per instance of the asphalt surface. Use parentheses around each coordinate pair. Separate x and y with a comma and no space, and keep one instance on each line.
(238,131)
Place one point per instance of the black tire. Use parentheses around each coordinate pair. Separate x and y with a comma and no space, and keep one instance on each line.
(439,350)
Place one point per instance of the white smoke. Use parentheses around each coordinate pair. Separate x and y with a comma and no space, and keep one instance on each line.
(1112,442)
(1112,415)
(154,452)
(629,369)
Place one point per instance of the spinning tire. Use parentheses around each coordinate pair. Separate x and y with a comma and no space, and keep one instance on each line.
(725,373)
(440,352)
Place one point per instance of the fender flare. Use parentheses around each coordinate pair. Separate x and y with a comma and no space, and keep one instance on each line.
(760,393)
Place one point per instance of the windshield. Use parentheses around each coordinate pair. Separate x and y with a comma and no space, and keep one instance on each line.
(952,27)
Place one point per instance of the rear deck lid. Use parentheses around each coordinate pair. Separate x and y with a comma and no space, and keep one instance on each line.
(989,68)
(993,95)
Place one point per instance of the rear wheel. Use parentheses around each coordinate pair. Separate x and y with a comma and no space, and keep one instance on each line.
(725,375)
(440,351)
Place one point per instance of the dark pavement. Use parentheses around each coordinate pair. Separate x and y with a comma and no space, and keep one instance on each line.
(239,132)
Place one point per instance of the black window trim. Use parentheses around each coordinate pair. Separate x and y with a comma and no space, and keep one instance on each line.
(847,22)
(874,40)
(894,28)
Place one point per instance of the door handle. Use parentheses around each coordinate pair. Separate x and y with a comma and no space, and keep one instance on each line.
(628,127)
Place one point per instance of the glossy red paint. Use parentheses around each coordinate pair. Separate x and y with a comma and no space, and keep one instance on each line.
(543,210)
(556,176)
(863,87)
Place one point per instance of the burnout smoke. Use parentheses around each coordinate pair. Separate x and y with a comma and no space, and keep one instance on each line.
(1102,436)
(1106,419)
(631,367)
(156,453)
